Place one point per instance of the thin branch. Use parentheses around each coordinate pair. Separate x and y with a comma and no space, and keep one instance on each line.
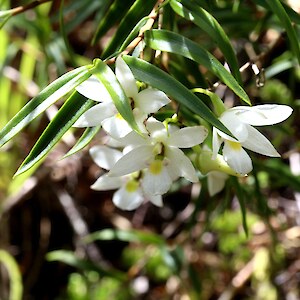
(21,9)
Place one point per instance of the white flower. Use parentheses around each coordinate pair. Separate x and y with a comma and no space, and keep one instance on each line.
(239,120)
(129,194)
(105,113)
(216,182)
(159,155)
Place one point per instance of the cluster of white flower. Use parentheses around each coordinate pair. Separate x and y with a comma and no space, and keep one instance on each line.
(151,161)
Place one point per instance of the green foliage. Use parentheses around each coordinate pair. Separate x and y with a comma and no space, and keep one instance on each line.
(205,56)
(16,286)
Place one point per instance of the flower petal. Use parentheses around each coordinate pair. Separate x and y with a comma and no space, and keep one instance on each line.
(105,183)
(105,157)
(258,143)
(116,126)
(135,160)
(134,139)
(154,125)
(126,78)
(216,182)
(260,115)
(93,89)
(235,125)
(187,137)
(140,118)
(95,115)
(151,100)
(128,200)
(182,163)
(216,143)
(155,199)
(237,158)
(156,181)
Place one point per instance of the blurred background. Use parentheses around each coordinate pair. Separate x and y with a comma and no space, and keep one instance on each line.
(61,240)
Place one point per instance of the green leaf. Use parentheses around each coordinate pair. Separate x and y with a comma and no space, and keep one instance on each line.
(278,9)
(134,32)
(294,16)
(116,11)
(75,106)
(84,140)
(42,101)
(171,42)
(138,10)
(126,236)
(15,277)
(69,258)
(159,79)
(210,25)
(110,81)
(241,198)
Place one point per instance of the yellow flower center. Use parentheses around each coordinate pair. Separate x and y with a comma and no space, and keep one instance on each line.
(156,167)
(235,145)
(132,186)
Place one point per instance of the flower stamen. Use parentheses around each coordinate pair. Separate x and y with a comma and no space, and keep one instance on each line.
(235,145)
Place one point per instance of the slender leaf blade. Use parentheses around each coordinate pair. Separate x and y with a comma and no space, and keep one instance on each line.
(293,15)
(172,42)
(278,9)
(159,79)
(210,25)
(64,119)
(115,12)
(69,258)
(126,236)
(138,10)
(42,101)
(241,198)
(134,32)
(84,140)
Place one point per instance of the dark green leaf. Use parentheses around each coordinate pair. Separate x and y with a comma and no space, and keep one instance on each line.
(75,106)
(294,16)
(84,140)
(210,25)
(126,236)
(69,258)
(115,13)
(241,198)
(138,10)
(159,79)
(278,9)
(171,42)
(42,101)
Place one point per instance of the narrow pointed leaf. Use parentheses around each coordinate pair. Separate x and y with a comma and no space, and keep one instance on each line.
(138,10)
(75,106)
(126,236)
(110,81)
(293,15)
(42,101)
(159,79)
(115,13)
(172,42)
(279,11)
(69,258)
(241,198)
(133,34)
(84,140)
(203,19)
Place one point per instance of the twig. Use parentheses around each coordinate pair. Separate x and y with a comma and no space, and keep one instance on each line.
(152,17)
(21,9)
(79,225)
